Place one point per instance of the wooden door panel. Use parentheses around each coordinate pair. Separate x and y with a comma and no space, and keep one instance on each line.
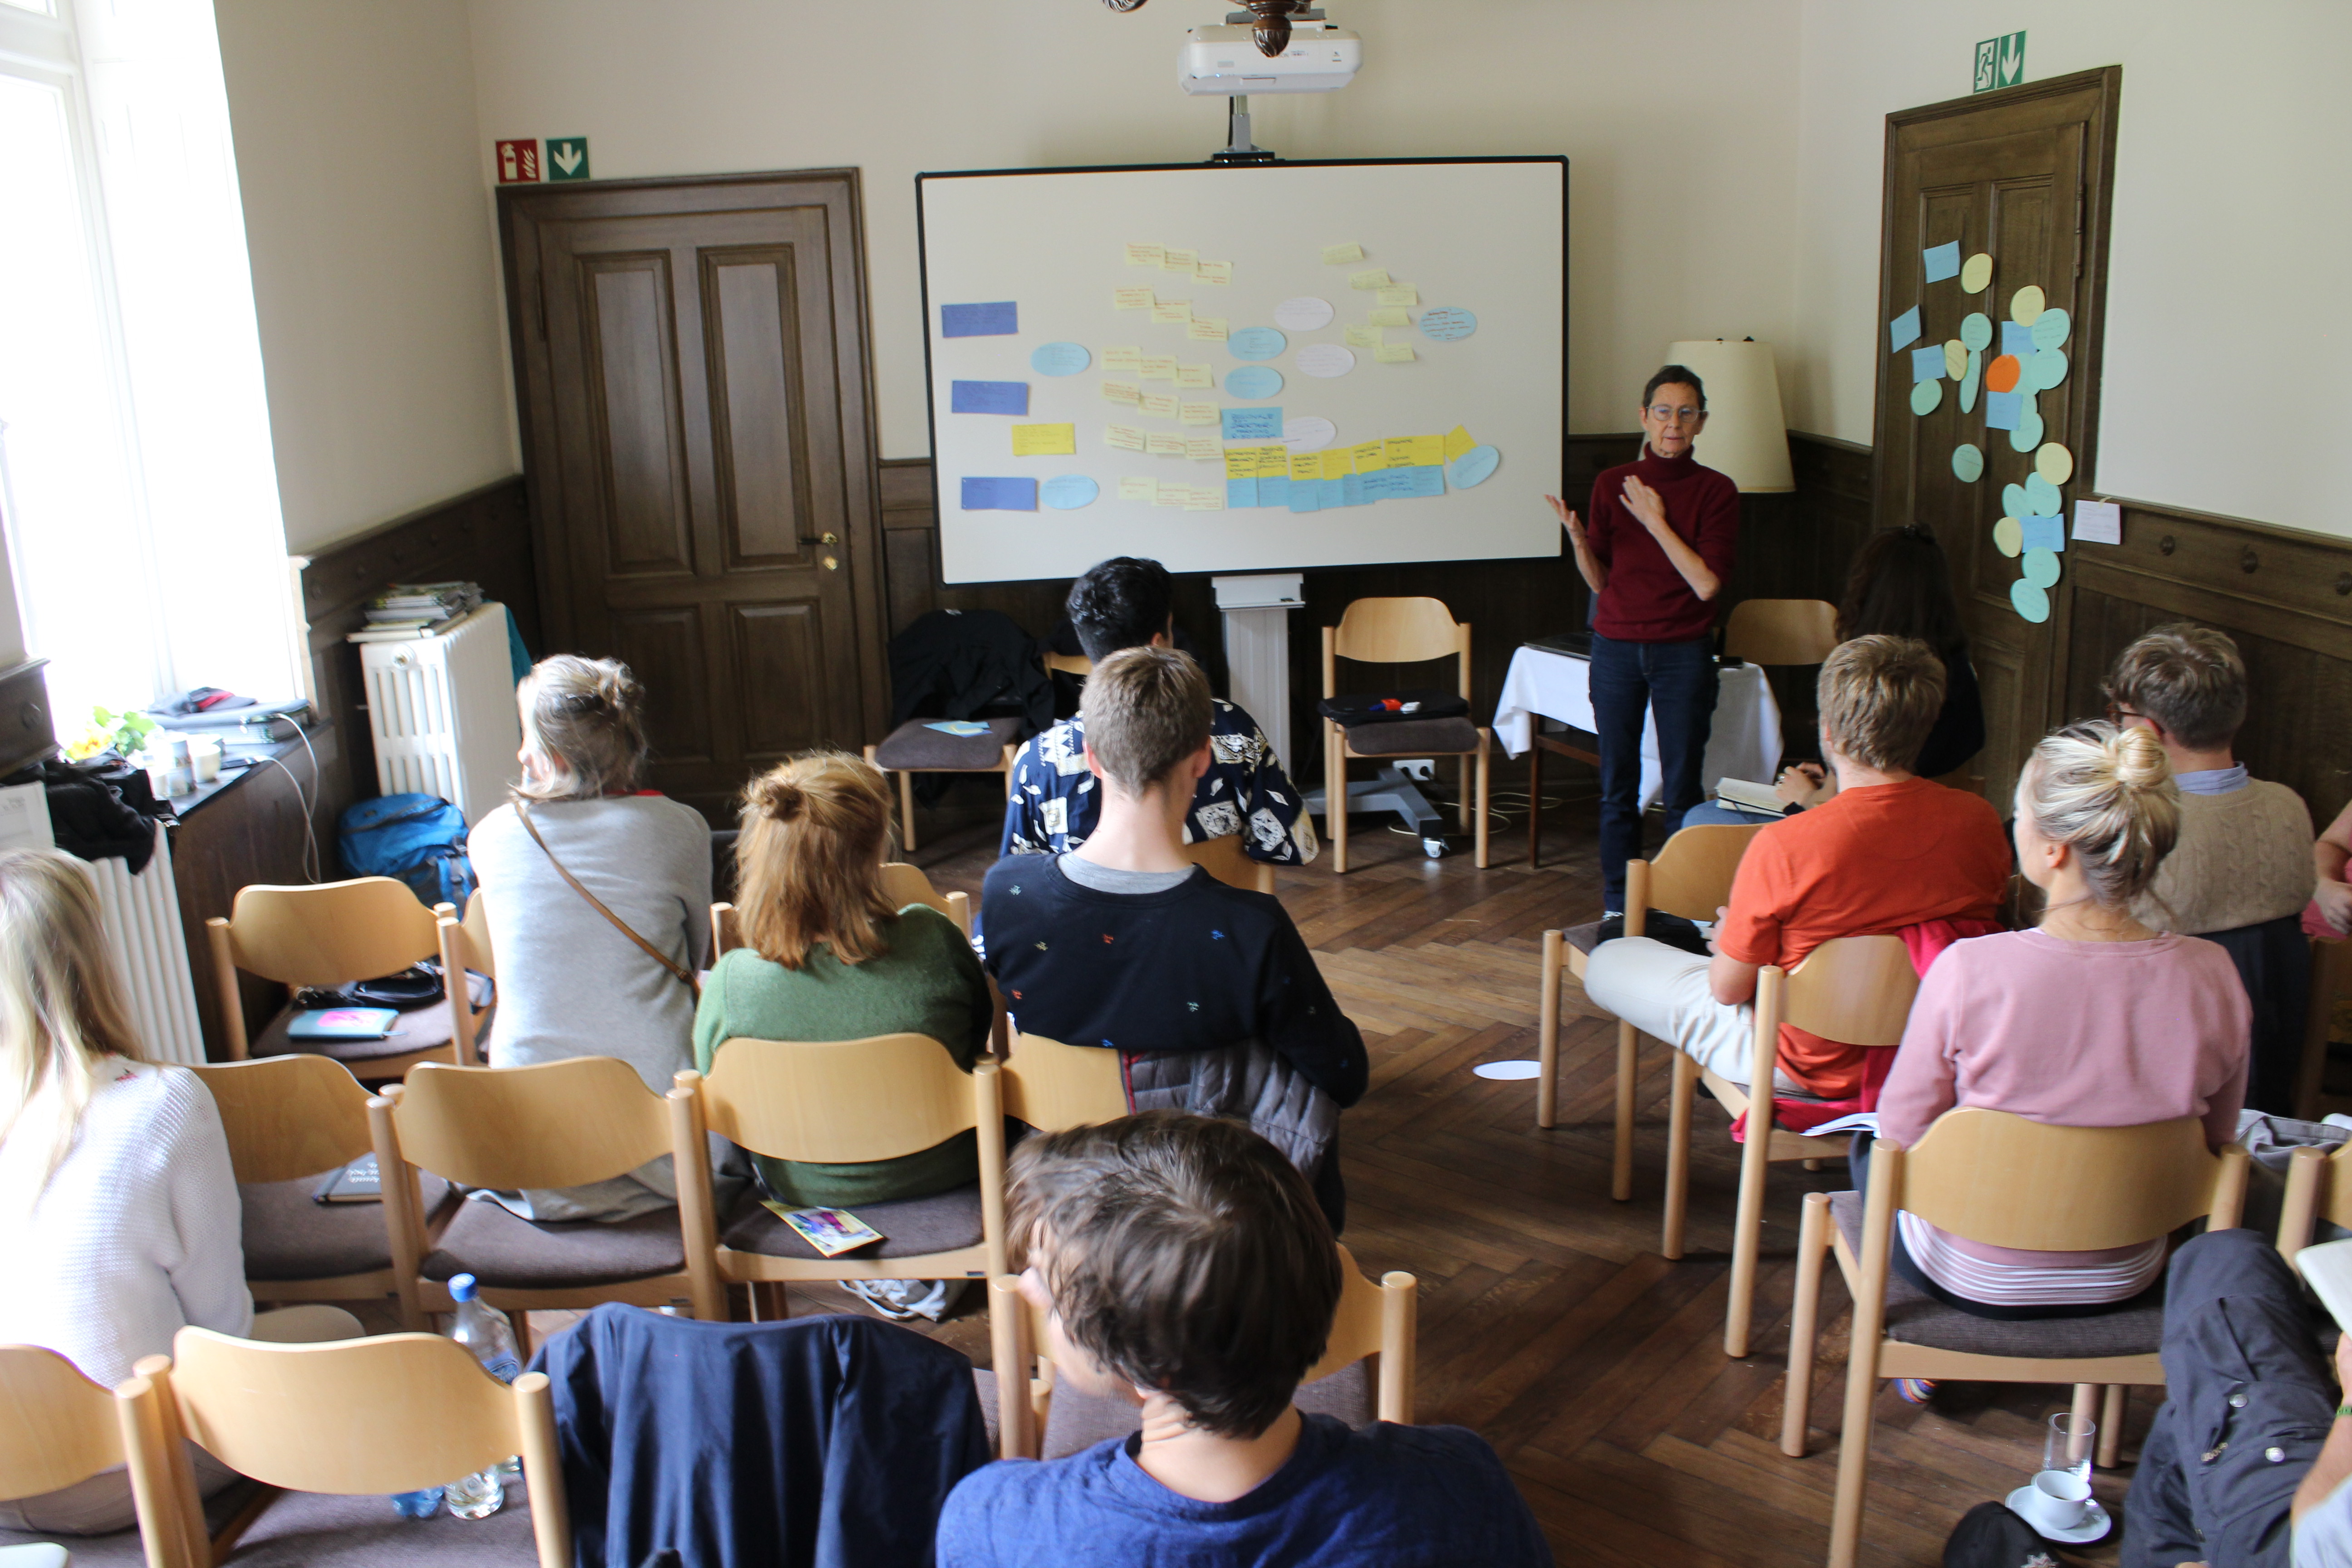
(630,373)
(752,328)
(779,650)
(663,647)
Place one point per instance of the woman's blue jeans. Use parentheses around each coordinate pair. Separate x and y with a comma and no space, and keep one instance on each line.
(1629,680)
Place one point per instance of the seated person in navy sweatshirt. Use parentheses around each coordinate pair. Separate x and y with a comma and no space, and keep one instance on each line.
(1183,1266)
(1207,992)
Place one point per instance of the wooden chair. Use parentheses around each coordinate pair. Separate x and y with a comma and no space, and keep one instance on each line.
(394,1413)
(1229,863)
(289,1120)
(1047,1085)
(2005,1182)
(2331,982)
(842,1102)
(1780,631)
(1076,664)
(1374,1320)
(465,945)
(1400,631)
(914,747)
(58,1429)
(1691,878)
(903,884)
(331,935)
(552,1124)
(2318,1186)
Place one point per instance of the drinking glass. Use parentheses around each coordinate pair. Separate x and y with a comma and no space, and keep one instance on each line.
(2067,1444)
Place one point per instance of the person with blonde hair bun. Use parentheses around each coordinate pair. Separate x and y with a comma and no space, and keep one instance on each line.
(826,956)
(2090,1019)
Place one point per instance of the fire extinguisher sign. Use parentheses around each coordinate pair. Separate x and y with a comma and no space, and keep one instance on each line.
(518,162)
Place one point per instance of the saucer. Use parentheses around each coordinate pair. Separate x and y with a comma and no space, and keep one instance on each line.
(2095,1522)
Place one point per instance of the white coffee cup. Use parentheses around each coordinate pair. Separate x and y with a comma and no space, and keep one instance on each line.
(2057,1502)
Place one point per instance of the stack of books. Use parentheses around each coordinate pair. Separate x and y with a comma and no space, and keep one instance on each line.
(417,610)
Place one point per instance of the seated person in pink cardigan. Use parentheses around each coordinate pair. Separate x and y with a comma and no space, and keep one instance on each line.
(2090,1019)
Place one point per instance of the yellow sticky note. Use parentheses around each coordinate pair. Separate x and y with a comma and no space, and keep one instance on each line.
(1370,456)
(1307,466)
(1390,318)
(1172,492)
(1363,337)
(1340,255)
(1158,367)
(1197,376)
(1425,452)
(1458,440)
(1394,354)
(1160,445)
(1176,312)
(1176,260)
(1131,298)
(1159,405)
(1207,328)
(1398,451)
(1141,254)
(1339,463)
(1136,489)
(1206,498)
(1213,271)
(1198,413)
(1272,462)
(1121,391)
(1377,277)
(1403,294)
(1240,462)
(1126,438)
(1044,440)
(1125,357)
(1202,448)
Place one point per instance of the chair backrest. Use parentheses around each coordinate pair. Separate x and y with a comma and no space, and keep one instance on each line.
(845,1101)
(725,929)
(289,1116)
(2318,1186)
(1049,1085)
(1400,631)
(552,1124)
(903,884)
(56,1426)
(1076,664)
(1692,875)
(1856,989)
(331,934)
(1780,631)
(476,925)
(2004,1181)
(1226,861)
(2331,979)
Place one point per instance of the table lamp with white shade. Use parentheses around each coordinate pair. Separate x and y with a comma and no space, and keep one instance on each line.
(1745,435)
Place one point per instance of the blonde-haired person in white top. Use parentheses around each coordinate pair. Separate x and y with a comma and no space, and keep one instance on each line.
(119,1213)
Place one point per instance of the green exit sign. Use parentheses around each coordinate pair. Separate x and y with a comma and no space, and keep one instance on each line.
(2001,62)
(567,158)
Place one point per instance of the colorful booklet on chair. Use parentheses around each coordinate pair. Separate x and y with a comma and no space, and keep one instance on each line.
(342,1024)
(2327,1269)
(831,1231)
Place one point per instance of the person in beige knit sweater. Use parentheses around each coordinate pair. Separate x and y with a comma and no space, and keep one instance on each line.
(2241,872)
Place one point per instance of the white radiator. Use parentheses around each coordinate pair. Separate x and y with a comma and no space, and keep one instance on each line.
(151,951)
(442,710)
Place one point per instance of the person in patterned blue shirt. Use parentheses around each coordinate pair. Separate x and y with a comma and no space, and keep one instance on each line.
(1128,603)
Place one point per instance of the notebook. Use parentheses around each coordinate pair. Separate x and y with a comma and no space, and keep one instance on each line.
(357,1183)
(1748,797)
(2327,1269)
(342,1024)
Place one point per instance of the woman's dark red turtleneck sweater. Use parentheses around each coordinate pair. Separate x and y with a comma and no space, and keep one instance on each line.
(1646,599)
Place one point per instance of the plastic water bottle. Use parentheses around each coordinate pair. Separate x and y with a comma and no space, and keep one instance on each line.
(476,1496)
(422,1504)
(488,1335)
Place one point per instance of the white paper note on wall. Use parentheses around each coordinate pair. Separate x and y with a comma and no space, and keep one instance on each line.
(25,818)
(2099,521)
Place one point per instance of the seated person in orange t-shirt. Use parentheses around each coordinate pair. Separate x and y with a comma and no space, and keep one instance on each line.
(1887,851)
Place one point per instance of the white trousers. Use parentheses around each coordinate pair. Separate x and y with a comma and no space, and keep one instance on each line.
(1663,992)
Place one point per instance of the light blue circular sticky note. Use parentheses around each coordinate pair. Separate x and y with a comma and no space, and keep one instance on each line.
(1472,467)
(1447,324)
(1067,492)
(1976,330)
(1926,396)
(2051,327)
(1254,382)
(2041,567)
(2028,434)
(1972,378)
(1257,342)
(2040,496)
(1968,462)
(2045,369)
(2013,501)
(1060,359)
(2029,601)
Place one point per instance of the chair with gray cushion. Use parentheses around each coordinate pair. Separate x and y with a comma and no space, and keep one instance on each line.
(915,747)
(2002,1180)
(1400,631)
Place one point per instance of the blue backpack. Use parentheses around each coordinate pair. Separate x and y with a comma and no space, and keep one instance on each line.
(418,839)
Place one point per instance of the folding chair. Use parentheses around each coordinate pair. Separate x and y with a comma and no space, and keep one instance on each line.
(2318,1186)
(1994,1178)
(1780,631)
(903,884)
(57,1429)
(1047,1085)
(465,945)
(1229,863)
(1400,631)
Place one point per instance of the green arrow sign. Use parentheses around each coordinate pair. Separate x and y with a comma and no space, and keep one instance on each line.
(2001,62)
(567,156)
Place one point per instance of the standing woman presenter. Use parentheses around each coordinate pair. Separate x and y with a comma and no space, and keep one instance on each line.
(1657,550)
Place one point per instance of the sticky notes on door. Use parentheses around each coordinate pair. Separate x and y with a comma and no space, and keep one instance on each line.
(997,319)
(1044,440)
(1942,261)
(988,397)
(2099,521)
(1903,330)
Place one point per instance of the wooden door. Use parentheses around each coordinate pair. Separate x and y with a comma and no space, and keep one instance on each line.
(2023,176)
(692,371)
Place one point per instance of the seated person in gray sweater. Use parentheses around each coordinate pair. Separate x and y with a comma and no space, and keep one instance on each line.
(1208,991)
(570,981)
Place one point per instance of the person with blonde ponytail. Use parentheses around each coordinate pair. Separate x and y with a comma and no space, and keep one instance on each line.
(2091,1019)
(826,956)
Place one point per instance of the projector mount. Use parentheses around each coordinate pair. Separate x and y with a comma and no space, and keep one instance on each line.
(1271,18)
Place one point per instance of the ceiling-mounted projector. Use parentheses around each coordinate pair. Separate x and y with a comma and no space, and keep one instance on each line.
(1225,61)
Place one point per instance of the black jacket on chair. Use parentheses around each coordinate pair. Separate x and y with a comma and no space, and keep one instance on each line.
(827,1442)
(951,664)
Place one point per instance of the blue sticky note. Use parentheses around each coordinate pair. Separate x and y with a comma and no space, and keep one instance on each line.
(1928,363)
(1067,492)
(989,397)
(998,319)
(1274,490)
(1427,481)
(1254,381)
(1351,490)
(2001,409)
(1943,261)
(2042,532)
(1331,492)
(1306,495)
(1240,493)
(1252,423)
(1389,484)
(2016,340)
(1472,467)
(1000,495)
(1257,342)
(1904,330)
(1060,359)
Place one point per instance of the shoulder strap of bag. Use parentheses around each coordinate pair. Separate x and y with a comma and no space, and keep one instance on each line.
(522,810)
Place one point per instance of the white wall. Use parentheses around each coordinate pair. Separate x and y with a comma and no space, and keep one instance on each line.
(2226,282)
(1680,122)
(374,263)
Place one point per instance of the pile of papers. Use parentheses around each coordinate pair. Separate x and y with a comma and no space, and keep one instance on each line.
(417,609)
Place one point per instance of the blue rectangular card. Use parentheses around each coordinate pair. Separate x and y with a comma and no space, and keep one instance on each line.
(1351,490)
(1240,493)
(1903,330)
(1928,363)
(1389,484)
(989,397)
(1000,495)
(2042,532)
(2001,409)
(999,318)
(1943,261)
(1274,490)
(2016,340)
(1307,495)
(1333,492)
(1427,480)
(1252,423)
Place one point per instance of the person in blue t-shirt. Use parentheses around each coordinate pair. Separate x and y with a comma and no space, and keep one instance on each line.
(1183,1265)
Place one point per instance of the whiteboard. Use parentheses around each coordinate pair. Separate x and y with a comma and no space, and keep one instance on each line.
(1484,237)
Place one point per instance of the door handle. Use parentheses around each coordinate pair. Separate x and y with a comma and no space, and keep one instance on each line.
(828,537)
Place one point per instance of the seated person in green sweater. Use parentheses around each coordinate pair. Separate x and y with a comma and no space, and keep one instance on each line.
(825,957)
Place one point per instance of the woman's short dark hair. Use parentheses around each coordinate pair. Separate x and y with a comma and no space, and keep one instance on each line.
(1676,376)
(1123,602)
(1185,1255)
(1901,584)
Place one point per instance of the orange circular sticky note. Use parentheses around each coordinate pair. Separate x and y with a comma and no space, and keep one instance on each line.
(2001,375)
